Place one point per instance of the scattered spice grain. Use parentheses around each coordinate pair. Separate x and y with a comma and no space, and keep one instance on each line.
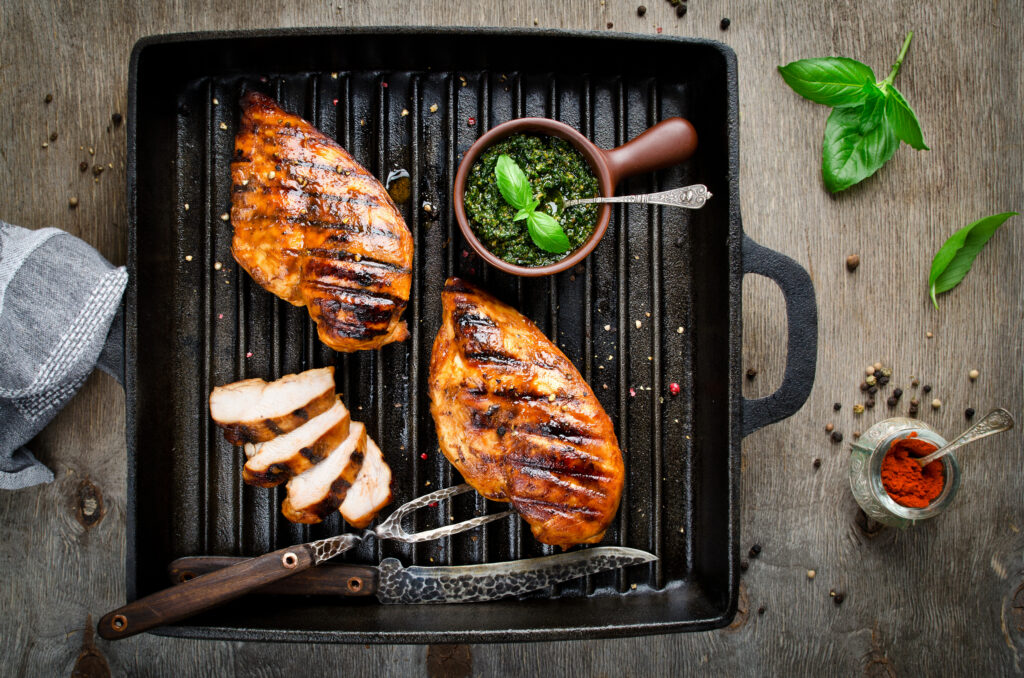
(83,166)
(724,24)
(116,118)
(48,98)
(817,463)
(852,262)
(760,610)
(936,404)
(73,202)
(811,574)
(858,409)
(973,374)
(837,437)
(838,598)
(969,413)
(751,373)
(755,551)
(829,427)
(641,10)
(837,406)
(926,388)
(680,11)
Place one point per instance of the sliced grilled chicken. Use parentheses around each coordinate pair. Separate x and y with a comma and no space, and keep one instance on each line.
(254,411)
(315,493)
(519,422)
(275,461)
(370,492)
(316,229)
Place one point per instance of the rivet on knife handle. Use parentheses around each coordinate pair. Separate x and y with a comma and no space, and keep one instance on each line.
(201,593)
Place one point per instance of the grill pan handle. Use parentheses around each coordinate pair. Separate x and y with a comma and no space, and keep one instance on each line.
(802,344)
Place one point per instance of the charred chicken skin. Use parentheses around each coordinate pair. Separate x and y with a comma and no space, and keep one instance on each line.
(316,229)
(519,422)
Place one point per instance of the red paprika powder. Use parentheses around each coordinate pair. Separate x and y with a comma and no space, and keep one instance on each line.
(903,478)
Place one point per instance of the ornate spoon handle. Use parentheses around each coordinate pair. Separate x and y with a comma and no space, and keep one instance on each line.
(996,421)
(691,197)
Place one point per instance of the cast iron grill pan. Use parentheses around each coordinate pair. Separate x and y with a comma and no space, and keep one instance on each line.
(656,303)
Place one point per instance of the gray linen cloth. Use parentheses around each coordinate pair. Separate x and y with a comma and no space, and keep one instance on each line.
(58,297)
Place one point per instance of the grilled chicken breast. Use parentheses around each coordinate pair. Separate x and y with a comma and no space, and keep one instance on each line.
(320,490)
(275,461)
(370,492)
(519,422)
(254,411)
(316,229)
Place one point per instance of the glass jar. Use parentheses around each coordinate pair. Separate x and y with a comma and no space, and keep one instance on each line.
(866,472)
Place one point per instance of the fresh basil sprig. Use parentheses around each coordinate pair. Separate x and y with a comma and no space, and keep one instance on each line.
(869,118)
(544,229)
(955,257)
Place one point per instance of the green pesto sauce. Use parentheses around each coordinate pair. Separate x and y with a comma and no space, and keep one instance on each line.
(557,172)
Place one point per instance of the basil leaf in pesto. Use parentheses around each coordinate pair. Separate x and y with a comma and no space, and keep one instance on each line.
(955,257)
(513,184)
(546,232)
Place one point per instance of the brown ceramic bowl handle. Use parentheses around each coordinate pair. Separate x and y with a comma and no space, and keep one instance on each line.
(668,143)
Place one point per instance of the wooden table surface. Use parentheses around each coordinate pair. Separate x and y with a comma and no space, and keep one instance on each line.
(943,598)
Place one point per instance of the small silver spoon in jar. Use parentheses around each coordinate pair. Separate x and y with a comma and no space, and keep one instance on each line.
(996,421)
(692,197)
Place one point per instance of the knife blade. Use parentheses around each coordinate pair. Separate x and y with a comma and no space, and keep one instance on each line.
(394,584)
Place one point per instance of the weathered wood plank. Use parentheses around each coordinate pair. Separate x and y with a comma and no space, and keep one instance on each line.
(937,600)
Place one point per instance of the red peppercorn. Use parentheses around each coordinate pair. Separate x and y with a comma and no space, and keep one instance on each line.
(673,388)
(383,84)
(433,504)
(423,455)
(632,392)
(471,122)
(335,102)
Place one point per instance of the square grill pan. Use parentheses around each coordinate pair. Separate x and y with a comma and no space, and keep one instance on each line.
(657,302)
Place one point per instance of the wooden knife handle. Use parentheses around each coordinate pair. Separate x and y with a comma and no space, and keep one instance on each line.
(329,579)
(202,593)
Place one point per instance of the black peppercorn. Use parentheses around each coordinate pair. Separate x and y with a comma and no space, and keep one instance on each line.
(641,10)
(883,381)
(837,406)
(48,98)
(116,118)
(873,390)
(744,565)
(837,437)
(83,166)
(680,10)
(969,413)
(897,392)
(817,463)
(878,374)
(53,136)
(838,598)
(926,388)
(760,610)
(755,551)
(869,403)
(915,383)
(863,385)
(724,25)
(751,373)
(891,401)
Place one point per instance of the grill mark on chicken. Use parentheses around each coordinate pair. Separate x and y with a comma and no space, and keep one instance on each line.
(553,507)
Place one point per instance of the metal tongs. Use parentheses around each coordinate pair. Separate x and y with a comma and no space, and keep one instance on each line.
(202,593)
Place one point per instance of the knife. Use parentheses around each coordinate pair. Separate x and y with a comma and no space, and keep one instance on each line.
(392,583)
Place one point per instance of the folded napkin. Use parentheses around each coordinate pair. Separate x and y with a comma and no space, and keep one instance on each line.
(58,300)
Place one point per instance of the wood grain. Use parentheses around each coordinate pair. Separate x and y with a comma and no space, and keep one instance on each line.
(940,599)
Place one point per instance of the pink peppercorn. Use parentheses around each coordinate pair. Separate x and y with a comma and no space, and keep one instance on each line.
(632,392)
(673,388)
(471,122)
(423,455)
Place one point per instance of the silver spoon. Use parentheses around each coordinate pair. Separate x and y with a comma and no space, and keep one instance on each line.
(692,197)
(996,421)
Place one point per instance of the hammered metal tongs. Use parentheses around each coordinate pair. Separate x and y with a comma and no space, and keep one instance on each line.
(208,590)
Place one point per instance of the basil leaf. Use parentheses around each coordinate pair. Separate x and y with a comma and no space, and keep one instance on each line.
(512,183)
(957,254)
(902,119)
(833,81)
(521,214)
(547,233)
(858,141)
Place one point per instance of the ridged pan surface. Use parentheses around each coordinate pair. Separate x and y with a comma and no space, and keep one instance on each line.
(657,303)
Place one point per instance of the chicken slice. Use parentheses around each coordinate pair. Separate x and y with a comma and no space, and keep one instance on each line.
(316,492)
(254,411)
(275,461)
(518,421)
(370,492)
